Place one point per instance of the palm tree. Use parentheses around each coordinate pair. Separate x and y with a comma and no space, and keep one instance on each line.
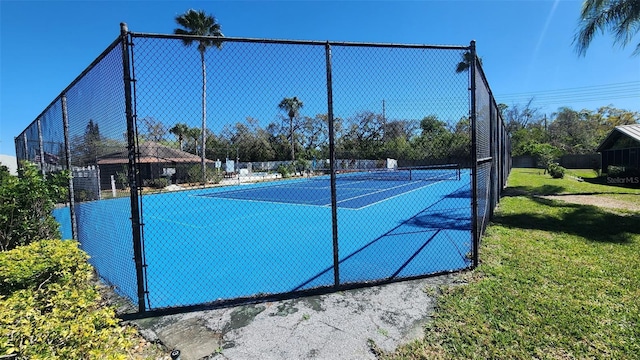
(180,130)
(621,17)
(195,134)
(291,106)
(199,23)
(466,62)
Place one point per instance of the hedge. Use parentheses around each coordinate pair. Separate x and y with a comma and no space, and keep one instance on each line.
(51,307)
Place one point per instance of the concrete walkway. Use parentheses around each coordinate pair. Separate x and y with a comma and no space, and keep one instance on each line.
(342,325)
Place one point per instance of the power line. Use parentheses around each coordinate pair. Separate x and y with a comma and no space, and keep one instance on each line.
(579,88)
(606,92)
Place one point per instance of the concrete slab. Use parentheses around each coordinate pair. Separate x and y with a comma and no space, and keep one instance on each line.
(191,337)
(342,325)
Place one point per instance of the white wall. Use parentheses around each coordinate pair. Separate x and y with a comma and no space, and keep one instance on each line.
(10,162)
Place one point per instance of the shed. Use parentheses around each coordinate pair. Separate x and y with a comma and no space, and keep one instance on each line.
(621,148)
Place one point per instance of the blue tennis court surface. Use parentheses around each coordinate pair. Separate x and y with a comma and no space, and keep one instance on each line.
(267,238)
(354,194)
(354,190)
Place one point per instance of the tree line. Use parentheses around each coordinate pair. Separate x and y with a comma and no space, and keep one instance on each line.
(565,132)
(366,135)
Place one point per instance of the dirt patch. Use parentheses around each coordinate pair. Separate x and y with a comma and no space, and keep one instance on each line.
(600,201)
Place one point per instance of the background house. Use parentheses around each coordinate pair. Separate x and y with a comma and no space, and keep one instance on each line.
(10,162)
(155,161)
(621,148)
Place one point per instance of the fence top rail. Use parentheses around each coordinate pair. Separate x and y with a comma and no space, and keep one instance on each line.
(299,42)
(240,39)
(75,81)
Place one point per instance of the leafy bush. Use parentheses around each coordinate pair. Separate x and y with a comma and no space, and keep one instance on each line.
(40,263)
(159,183)
(194,175)
(59,186)
(544,154)
(302,165)
(26,203)
(122,178)
(596,169)
(85,195)
(556,171)
(4,173)
(621,171)
(51,310)
(285,170)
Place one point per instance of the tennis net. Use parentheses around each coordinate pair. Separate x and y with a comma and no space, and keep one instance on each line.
(418,173)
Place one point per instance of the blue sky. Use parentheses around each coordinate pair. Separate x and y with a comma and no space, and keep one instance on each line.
(526,46)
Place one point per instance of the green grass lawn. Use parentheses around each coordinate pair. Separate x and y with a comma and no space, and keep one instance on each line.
(556,280)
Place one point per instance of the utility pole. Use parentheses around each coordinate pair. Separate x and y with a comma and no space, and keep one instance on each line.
(384,120)
(384,116)
(546,132)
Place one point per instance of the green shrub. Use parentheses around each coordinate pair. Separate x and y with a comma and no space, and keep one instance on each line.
(42,262)
(194,175)
(596,168)
(159,183)
(285,170)
(162,183)
(26,203)
(59,186)
(85,195)
(4,173)
(621,171)
(302,166)
(556,171)
(51,310)
(122,178)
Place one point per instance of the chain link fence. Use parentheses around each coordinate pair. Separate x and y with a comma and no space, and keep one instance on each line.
(262,169)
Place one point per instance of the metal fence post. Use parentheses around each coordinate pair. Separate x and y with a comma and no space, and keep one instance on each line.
(474,155)
(494,157)
(41,146)
(15,144)
(498,150)
(133,169)
(332,168)
(26,145)
(67,154)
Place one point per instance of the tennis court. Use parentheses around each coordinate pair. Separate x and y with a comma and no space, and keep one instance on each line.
(356,188)
(269,238)
(363,103)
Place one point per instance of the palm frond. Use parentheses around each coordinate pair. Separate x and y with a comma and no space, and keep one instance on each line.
(637,50)
(592,6)
(627,16)
(462,67)
(467,60)
(593,18)
(620,17)
(185,41)
(198,23)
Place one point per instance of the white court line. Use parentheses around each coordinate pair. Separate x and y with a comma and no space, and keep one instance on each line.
(391,197)
(375,192)
(211,195)
(292,185)
(237,218)
(266,201)
(215,194)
